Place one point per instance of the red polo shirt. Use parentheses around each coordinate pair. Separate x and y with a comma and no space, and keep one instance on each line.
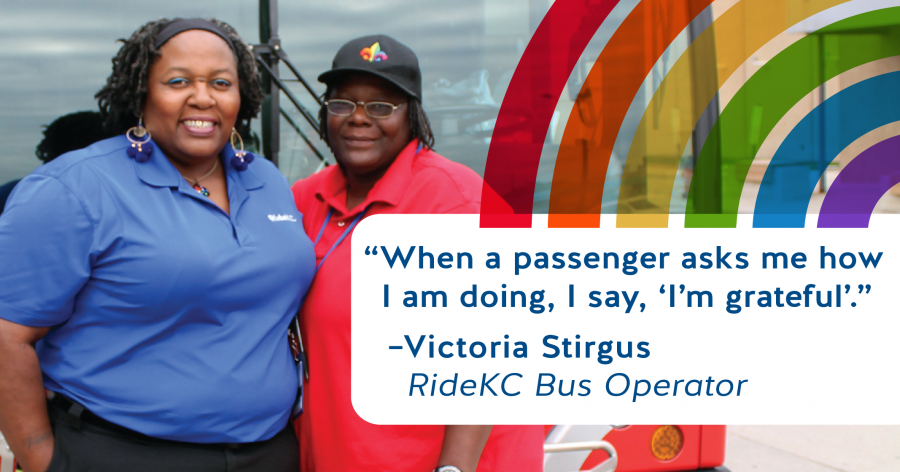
(332,436)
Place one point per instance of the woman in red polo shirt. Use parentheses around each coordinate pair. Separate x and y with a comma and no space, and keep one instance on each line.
(374,123)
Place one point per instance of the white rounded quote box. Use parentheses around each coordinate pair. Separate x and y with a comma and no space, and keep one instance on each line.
(456,324)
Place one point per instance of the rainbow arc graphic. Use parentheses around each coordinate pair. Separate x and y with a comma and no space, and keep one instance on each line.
(678,139)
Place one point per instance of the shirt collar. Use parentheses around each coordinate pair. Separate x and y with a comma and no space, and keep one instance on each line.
(159,172)
(390,189)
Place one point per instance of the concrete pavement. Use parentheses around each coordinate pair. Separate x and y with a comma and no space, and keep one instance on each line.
(813,448)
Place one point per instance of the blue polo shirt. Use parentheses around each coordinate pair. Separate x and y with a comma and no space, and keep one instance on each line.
(170,315)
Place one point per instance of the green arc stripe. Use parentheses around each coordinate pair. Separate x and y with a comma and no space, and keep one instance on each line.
(761,103)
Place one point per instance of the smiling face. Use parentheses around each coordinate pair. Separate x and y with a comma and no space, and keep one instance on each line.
(192,97)
(362,145)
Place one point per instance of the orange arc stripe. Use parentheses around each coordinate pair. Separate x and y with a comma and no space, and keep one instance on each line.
(586,145)
(717,52)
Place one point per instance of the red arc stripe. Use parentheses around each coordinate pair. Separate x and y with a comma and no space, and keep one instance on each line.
(512,163)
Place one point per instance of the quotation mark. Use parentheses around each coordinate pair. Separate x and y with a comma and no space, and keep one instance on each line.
(373,252)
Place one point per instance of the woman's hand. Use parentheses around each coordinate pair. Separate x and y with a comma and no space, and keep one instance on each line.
(23,406)
(463,445)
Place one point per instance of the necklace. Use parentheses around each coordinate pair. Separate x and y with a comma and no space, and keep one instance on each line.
(195,183)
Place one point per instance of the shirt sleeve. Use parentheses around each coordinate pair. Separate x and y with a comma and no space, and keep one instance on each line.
(45,243)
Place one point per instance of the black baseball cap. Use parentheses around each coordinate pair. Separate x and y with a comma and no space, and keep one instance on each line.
(379,55)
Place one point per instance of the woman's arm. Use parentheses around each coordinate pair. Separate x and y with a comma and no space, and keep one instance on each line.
(23,406)
(463,445)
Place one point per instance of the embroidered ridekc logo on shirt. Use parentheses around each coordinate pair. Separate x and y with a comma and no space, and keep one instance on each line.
(282,218)
(373,53)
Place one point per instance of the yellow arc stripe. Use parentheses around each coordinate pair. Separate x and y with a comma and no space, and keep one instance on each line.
(664,129)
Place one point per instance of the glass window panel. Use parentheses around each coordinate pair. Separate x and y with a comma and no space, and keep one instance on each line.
(55,55)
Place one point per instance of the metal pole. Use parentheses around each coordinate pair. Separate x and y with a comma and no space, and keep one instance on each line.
(305,137)
(281,86)
(303,81)
(271,108)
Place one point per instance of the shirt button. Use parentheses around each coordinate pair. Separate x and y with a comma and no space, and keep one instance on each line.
(341,224)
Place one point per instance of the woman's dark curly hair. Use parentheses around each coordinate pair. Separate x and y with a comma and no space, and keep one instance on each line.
(122,98)
(419,126)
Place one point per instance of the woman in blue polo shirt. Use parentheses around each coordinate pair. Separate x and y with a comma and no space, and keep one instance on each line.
(143,278)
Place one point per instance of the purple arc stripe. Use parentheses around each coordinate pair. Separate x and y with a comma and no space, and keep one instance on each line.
(853,195)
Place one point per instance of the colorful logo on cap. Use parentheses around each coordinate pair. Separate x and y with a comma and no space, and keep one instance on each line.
(373,53)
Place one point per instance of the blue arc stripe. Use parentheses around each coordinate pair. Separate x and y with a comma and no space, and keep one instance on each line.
(793,172)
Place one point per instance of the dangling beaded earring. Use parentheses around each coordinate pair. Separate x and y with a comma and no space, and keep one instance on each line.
(141,148)
(241,158)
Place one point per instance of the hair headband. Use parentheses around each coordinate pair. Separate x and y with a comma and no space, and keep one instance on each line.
(180,25)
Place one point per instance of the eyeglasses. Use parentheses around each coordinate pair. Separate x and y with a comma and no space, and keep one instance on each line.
(377,110)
